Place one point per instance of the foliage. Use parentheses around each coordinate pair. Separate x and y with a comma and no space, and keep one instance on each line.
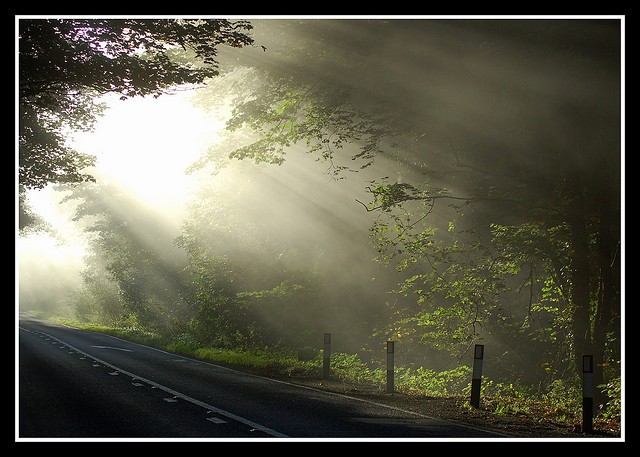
(433,383)
(613,408)
(268,261)
(278,105)
(131,279)
(135,334)
(350,367)
(96,299)
(253,358)
(560,402)
(221,321)
(219,278)
(28,219)
(462,277)
(285,114)
(65,64)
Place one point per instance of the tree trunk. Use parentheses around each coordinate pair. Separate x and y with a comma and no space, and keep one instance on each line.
(580,278)
(608,260)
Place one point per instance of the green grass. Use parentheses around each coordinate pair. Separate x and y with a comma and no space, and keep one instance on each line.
(258,359)
(126,333)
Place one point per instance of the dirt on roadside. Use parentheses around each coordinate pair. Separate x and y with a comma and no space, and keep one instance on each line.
(457,409)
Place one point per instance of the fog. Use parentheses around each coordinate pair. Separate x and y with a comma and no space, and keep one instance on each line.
(470,92)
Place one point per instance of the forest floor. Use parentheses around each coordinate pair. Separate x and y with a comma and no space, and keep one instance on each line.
(529,424)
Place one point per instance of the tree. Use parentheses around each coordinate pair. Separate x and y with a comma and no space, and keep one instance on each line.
(533,160)
(557,186)
(28,218)
(258,272)
(96,300)
(303,95)
(65,64)
(131,247)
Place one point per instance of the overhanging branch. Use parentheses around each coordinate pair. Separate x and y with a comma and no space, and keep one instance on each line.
(433,198)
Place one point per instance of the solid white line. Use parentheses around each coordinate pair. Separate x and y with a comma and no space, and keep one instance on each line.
(177,394)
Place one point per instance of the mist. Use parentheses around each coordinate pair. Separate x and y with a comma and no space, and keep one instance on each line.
(541,96)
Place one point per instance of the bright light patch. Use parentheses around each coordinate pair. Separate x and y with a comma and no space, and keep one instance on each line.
(144,145)
(50,250)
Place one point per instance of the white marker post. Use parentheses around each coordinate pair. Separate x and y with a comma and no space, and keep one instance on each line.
(326,361)
(478,355)
(390,369)
(587,393)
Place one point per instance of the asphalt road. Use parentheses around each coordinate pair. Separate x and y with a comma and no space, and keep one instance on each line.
(80,384)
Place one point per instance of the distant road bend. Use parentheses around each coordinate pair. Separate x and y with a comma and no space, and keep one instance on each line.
(81,384)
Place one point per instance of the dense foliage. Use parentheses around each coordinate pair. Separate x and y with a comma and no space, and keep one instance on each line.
(132,274)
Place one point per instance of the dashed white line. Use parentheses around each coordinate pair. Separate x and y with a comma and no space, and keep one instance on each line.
(216,420)
(111,347)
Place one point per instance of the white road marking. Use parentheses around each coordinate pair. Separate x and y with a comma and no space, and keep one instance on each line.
(257,426)
(216,420)
(137,384)
(177,394)
(111,347)
(170,400)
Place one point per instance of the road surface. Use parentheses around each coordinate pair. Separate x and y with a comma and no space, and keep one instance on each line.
(80,384)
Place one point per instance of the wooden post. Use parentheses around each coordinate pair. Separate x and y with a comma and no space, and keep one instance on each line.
(390,368)
(326,361)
